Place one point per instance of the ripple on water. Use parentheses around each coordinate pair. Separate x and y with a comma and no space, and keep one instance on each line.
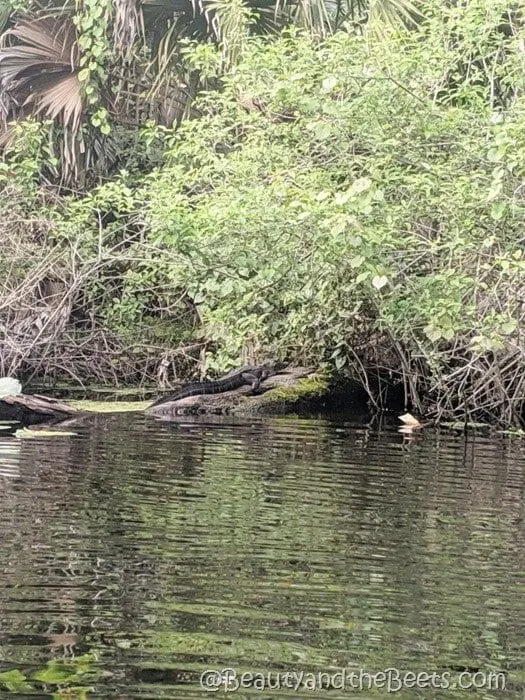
(138,553)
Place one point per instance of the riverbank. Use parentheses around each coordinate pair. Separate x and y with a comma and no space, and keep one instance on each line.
(300,392)
(365,221)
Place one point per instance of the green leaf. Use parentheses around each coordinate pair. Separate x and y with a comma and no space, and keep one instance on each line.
(361,185)
(509,327)
(343,197)
(55,674)
(329,83)
(379,281)
(15,682)
(322,130)
(340,361)
(433,334)
(498,210)
(362,276)
(357,261)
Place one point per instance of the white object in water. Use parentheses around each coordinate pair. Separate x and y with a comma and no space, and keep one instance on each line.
(9,386)
(408,419)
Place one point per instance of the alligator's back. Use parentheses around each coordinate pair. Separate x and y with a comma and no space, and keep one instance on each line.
(232,380)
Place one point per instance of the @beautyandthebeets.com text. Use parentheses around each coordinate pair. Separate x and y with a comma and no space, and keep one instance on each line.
(391,680)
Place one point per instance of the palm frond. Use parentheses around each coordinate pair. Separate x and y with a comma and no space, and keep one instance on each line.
(39,77)
(5,13)
(61,99)
(38,69)
(394,12)
(325,16)
(230,22)
(128,24)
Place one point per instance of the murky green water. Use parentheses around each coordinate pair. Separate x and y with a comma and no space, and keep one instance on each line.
(137,554)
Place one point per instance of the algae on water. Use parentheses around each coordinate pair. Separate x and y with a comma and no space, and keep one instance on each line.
(110,406)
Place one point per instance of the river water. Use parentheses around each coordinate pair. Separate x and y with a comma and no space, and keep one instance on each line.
(293,556)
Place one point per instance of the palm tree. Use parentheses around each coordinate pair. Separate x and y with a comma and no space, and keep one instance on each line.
(41,59)
(39,77)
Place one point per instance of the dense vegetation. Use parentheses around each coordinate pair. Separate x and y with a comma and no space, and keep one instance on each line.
(355,201)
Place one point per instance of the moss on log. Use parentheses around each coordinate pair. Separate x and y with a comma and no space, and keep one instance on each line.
(295,390)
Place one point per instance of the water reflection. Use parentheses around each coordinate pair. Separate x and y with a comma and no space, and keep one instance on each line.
(9,457)
(148,552)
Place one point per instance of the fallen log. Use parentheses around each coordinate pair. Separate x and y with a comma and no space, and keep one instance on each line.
(291,390)
(31,409)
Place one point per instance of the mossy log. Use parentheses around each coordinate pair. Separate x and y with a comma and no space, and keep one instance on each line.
(297,389)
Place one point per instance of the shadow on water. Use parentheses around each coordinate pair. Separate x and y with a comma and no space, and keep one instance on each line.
(137,554)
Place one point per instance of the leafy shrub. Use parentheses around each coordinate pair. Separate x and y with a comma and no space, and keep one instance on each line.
(356,202)
(329,204)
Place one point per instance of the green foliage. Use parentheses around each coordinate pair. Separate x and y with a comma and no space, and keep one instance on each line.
(65,674)
(14,681)
(38,80)
(91,20)
(356,201)
(25,158)
(325,198)
(95,67)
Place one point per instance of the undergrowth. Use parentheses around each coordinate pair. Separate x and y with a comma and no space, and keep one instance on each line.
(356,203)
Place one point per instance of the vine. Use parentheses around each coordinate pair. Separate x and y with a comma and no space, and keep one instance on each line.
(91,20)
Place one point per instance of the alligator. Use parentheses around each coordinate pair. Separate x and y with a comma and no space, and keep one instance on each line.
(251,375)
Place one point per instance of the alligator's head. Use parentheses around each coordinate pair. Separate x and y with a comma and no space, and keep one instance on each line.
(273,367)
